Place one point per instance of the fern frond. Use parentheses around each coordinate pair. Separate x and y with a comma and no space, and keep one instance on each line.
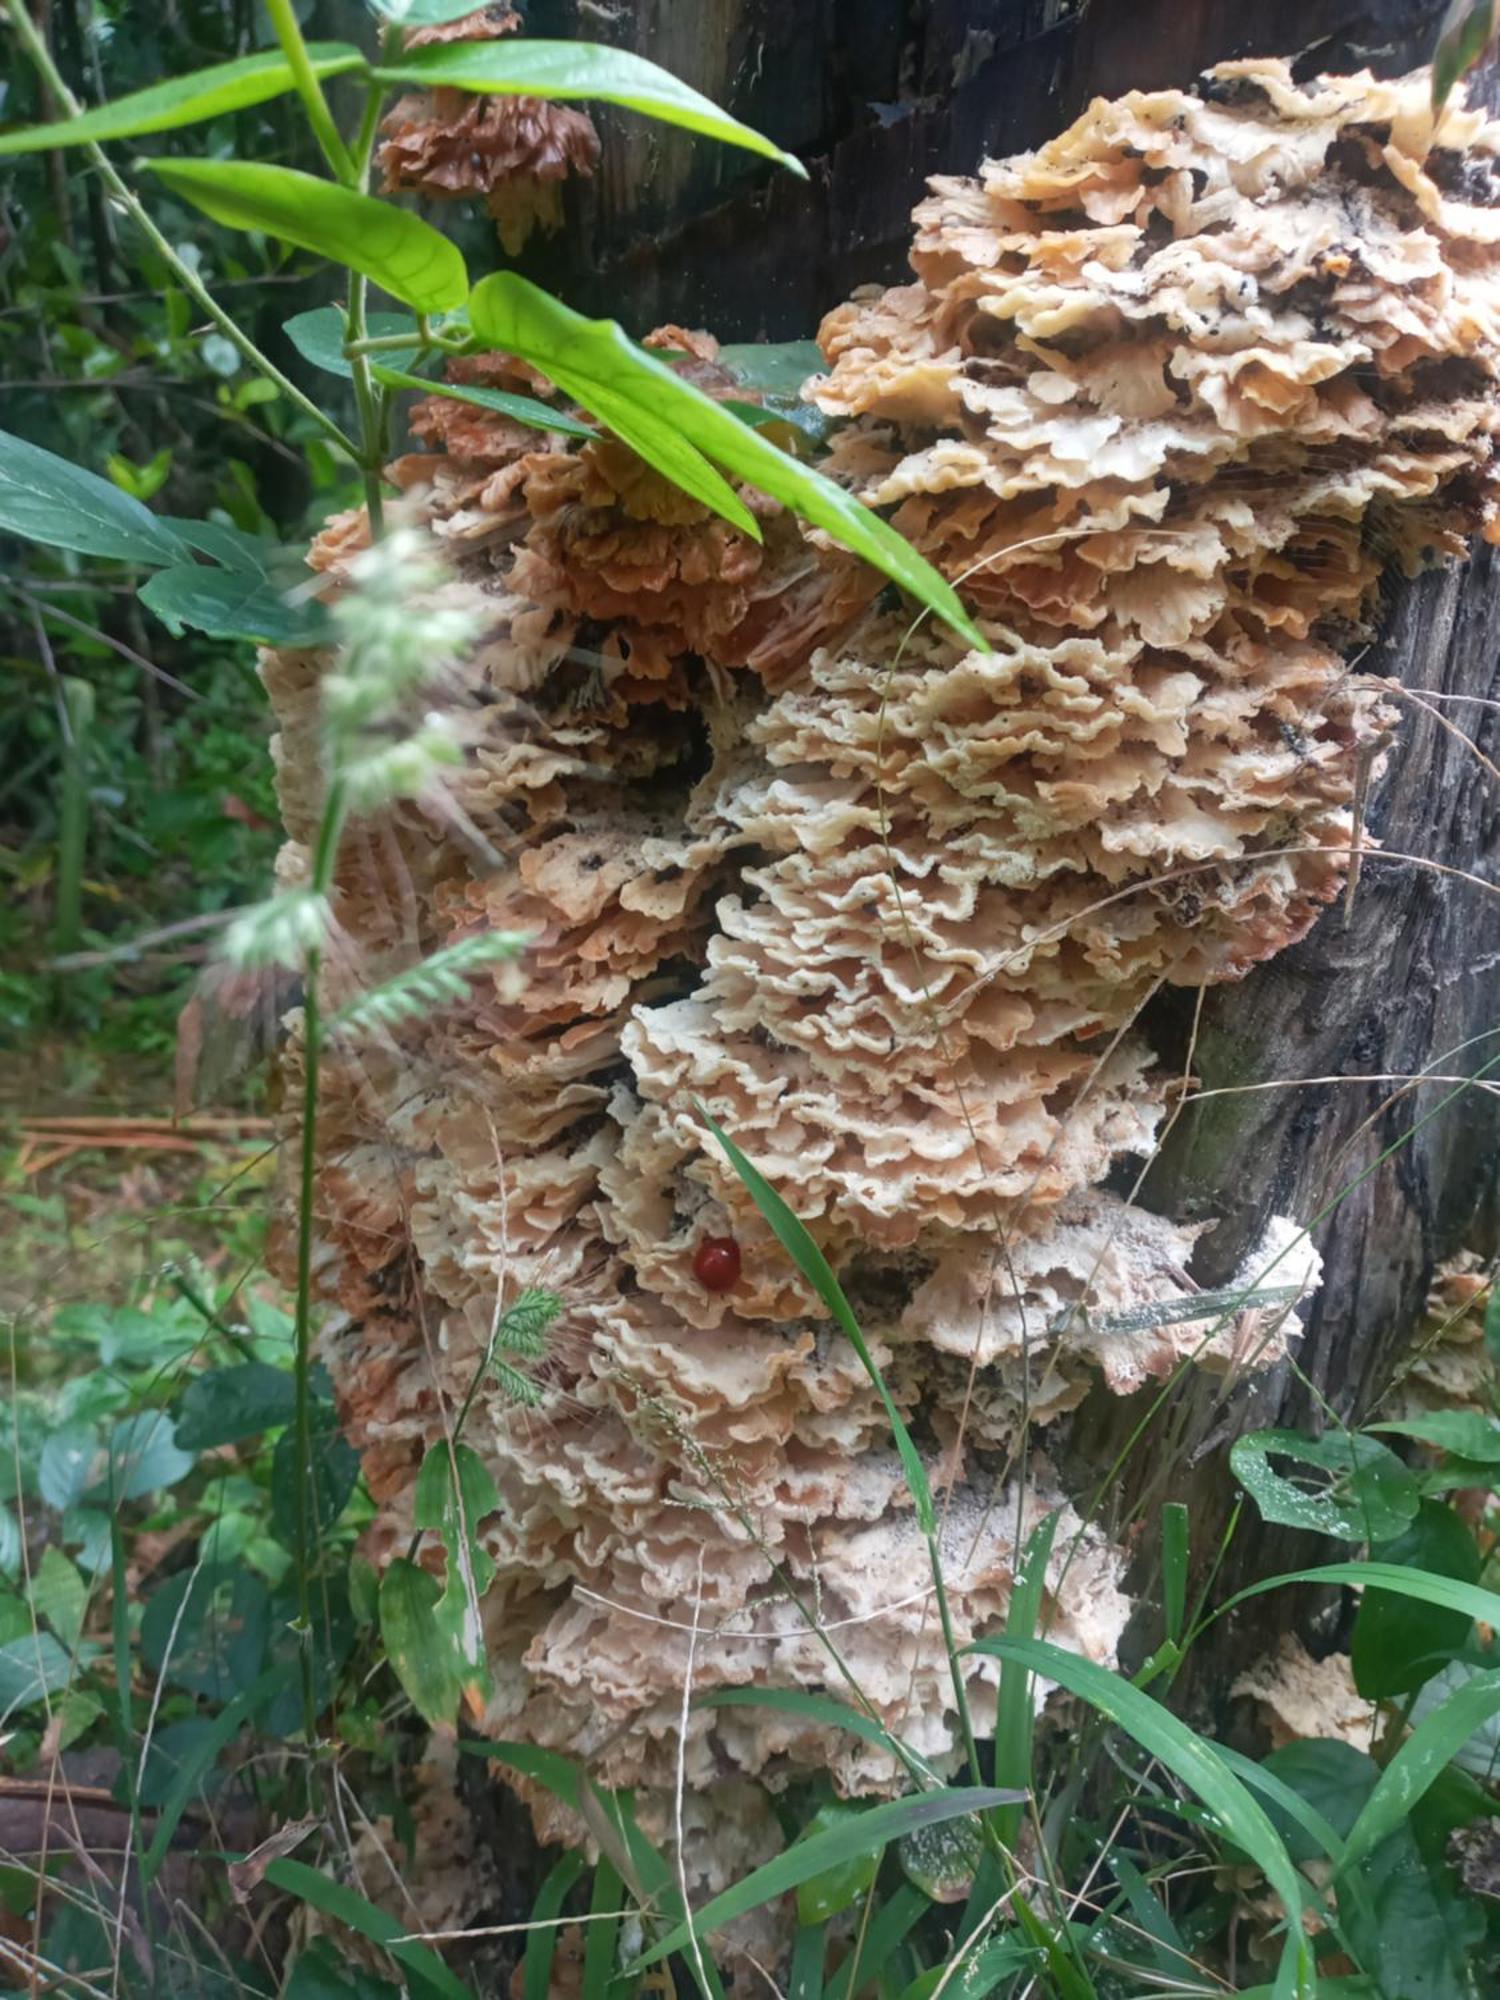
(423,988)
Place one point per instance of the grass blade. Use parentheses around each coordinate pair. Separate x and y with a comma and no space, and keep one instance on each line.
(1195,1763)
(871,1830)
(821,1708)
(813,1265)
(1420,1761)
(347,1907)
(1174,1568)
(1014,1716)
(536,1967)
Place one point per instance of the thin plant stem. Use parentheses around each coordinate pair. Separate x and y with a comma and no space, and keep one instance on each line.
(32,41)
(310,90)
(329,829)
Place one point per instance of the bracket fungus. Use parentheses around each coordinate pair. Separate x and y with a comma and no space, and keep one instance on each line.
(1166,400)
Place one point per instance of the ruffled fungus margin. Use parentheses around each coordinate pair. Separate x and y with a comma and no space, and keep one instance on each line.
(1167,399)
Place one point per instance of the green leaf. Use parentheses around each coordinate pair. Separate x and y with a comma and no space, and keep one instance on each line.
(400,252)
(45,499)
(230,604)
(426,1969)
(1420,1761)
(184,100)
(435,1501)
(319,337)
(421,1654)
(525,409)
(1398,1644)
(1015,1715)
(1466,31)
(10,1542)
(188,1780)
(864,1832)
(668,421)
(574,70)
(896,1915)
(1317,1788)
(439,980)
(332,1472)
(1193,1761)
(813,1265)
(774,368)
(1466,1433)
(1492,1326)
(1410,1924)
(206,1630)
(59,1596)
(142,1458)
(832,1889)
(66,1469)
(1175,1549)
(942,1860)
(223,1405)
(421,13)
(318,1973)
(31,1668)
(1447,1592)
(1360,1491)
(541,1946)
(979,1974)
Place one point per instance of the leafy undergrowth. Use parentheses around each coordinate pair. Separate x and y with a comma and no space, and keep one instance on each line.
(171,1827)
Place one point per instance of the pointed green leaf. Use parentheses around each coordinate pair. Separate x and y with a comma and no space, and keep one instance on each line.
(1399,1645)
(573,70)
(1465,32)
(1346,1484)
(223,1405)
(45,499)
(400,252)
(664,418)
(59,1596)
(1469,1433)
(525,409)
(230,604)
(319,337)
(420,1654)
(184,100)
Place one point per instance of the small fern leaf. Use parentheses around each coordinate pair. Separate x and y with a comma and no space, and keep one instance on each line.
(423,988)
(523,1326)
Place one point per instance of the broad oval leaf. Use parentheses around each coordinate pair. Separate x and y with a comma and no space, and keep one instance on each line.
(231,604)
(1195,1762)
(421,1654)
(525,409)
(657,413)
(142,1458)
(66,1470)
(207,1630)
(184,100)
(319,337)
(332,1472)
(421,13)
(44,498)
(579,70)
(30,1668)
(1466,1433)
(223,1405)
(1359,1491)
(398,250)
(1398,1645)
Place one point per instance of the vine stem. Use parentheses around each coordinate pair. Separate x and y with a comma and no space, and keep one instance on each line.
(31,40)
(310,90)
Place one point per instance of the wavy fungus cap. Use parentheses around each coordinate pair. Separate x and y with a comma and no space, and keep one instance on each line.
(1166,400)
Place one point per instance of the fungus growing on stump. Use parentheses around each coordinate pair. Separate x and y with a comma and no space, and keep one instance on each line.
(1166,400)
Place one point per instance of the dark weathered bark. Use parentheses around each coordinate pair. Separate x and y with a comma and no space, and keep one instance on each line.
(875,95)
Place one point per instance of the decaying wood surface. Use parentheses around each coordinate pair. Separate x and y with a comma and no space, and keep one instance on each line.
(875,95)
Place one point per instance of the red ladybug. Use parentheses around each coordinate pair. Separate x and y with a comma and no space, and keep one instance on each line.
(716,1263)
